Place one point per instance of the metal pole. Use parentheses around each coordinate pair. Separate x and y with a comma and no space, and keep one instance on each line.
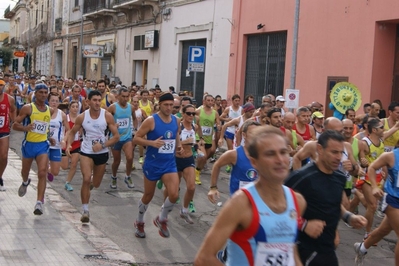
(195,84)
(81,45)
(28,63)
(295,45)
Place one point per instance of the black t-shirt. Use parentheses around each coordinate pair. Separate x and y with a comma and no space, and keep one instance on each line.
(323,194)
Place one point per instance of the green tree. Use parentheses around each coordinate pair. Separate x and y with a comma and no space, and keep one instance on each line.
(7,54)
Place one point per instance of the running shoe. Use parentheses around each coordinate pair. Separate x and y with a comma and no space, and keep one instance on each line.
(2,188)
(50,177)
(228,169)
(141,160)
(191,207)
(366,236)
(129,182)
(159,184)
(139,229)
(359,255)
(162,227)
(213,159)
(197,177)
(85,217)
(186,217)
(133,166)
(22,189)
(178,200)
(68,187)
(113,183)
(38,209)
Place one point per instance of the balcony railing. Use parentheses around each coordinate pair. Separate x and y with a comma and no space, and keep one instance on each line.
(91,6)
(118,2)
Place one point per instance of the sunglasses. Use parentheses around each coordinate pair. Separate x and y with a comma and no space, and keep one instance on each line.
(190,113)
(381,127)
(176,107)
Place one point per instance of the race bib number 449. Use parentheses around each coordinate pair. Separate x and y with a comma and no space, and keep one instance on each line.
(275,254)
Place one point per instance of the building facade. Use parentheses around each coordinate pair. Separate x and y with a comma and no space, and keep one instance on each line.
(337,41)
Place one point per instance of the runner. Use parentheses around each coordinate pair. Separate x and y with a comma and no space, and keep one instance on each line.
(107,98)
(393,111)
(162,130)
(58,126)
(390,204)
(322,186)
(76,89)
(208,117)
(185,162)
(73,109)
(317,123)
(140,116)
(7,116)
(125,117)
(95,123)
(260,221)
(35,146)
(230,113)
(302,126)
(144,103)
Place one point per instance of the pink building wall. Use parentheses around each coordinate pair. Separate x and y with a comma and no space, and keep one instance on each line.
(354,39)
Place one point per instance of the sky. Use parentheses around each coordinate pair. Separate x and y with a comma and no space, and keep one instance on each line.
(4,4)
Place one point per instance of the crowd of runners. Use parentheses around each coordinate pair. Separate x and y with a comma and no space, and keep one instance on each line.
(293,173)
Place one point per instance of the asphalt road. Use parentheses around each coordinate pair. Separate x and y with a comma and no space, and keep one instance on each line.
(113,212)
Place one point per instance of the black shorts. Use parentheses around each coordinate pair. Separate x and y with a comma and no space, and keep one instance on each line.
(208,146)
(98,159)
(348,192)
(183,163)
(71,152)
(313,258)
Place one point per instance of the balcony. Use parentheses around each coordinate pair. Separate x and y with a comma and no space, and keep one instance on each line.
(8,13)
(92,7)
(127,3)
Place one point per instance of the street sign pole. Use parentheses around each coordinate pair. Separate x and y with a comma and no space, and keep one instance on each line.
(195,83)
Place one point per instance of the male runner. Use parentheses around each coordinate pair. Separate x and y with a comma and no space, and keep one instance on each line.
(162,131)
(95,121)
(123,113)
(230,113)
(107,98)
(35,146)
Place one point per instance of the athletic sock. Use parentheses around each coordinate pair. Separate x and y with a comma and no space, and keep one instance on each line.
(363,249)
(184,210)
(85,207)
(26,183)
(167,208)
(142,209)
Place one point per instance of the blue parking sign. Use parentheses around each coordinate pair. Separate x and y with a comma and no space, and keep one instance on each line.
(196,54)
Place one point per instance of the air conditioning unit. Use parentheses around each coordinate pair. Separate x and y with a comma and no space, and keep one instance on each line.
(109,48)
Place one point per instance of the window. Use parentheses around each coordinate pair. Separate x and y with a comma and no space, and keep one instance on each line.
(76,3)
(139,43)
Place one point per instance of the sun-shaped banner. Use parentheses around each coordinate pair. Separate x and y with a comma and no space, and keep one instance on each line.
(344,96)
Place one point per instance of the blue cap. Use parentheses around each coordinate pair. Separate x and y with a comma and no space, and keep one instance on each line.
(17,77)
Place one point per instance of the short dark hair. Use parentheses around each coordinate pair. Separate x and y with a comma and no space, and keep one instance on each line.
(372,123)
(392,106)
(235,96)
(94,93)
(349,110)
(248,96)
(172,88)
(366,105)
(329,134)
(218,96)
(144,91)
(101,81)
(272,111)
(122,89)
(186,98)
(186,107)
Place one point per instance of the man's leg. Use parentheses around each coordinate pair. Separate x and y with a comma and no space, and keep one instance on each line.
(72,171)
(41,161)
(371,206)
(117,160)
(86,167)
(128,150)
(4,145)
(149,190)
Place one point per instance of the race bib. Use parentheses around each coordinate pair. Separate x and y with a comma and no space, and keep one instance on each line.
(2,121)
(168,146)
(94,140)
(388,148)
(52,130)
(275,254)
(206,131)
(40,127)
(122,123)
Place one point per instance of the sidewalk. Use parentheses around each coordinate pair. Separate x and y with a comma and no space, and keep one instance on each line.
(56,237)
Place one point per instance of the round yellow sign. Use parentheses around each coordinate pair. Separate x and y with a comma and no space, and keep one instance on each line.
(345,96)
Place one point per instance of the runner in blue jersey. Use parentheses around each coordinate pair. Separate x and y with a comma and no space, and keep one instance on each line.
(125,117)
(261,219)
(162,131)
(390,203)
(242,172)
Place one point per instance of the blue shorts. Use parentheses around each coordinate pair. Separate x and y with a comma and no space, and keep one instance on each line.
(183,163)
(54,155)
(229,135)
(30,150)
(118,146)
(392,201)
(154,174)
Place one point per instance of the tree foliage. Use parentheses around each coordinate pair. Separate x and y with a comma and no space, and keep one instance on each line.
(7,54)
